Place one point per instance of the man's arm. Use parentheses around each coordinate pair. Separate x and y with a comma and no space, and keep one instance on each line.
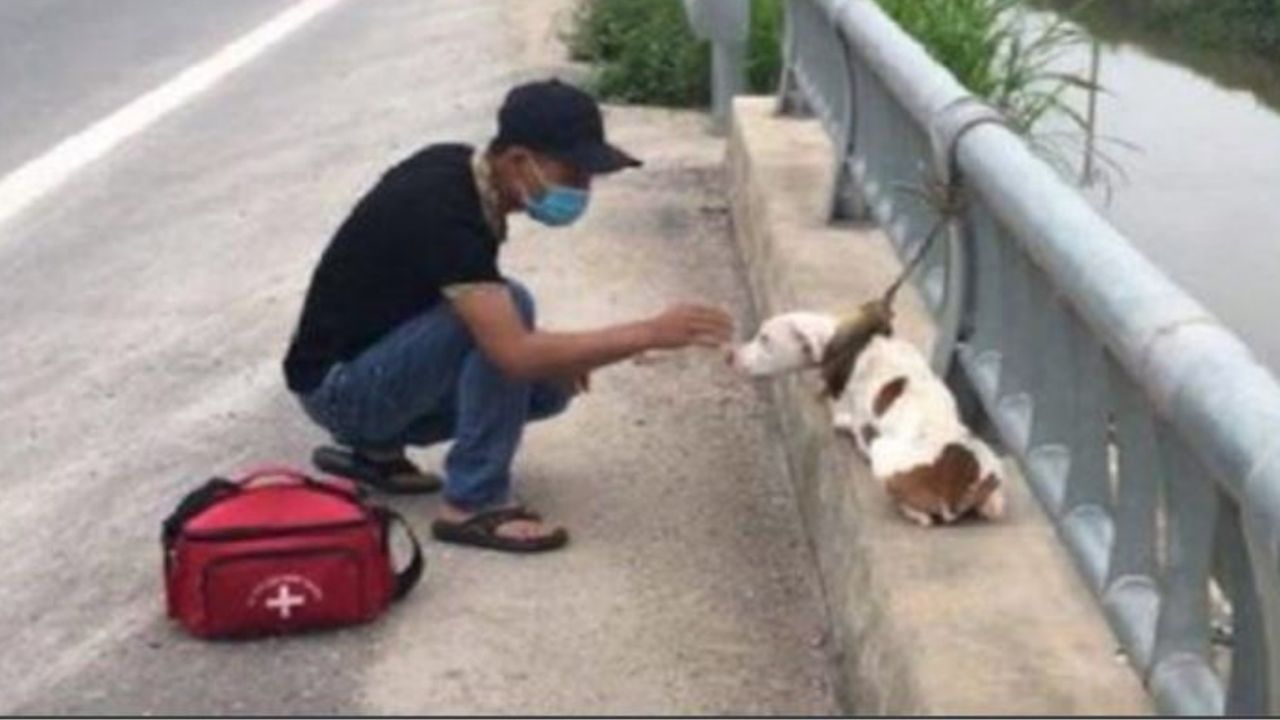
(491,315)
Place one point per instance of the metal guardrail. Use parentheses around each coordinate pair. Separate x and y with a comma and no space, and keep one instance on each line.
(726,24)
(1149,432)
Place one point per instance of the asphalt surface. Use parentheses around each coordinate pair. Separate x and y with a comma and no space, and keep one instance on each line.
(65,63)
(146,305)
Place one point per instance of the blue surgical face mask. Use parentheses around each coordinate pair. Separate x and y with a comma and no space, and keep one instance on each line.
(556,205)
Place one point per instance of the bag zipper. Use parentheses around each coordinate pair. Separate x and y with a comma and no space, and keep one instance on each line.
(261,532)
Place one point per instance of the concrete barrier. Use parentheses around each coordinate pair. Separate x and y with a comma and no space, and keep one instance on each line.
(970,619)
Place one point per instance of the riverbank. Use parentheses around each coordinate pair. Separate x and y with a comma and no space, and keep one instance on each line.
(1226,25)
(1235,43)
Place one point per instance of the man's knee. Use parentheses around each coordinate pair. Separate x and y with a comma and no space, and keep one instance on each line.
(524,302)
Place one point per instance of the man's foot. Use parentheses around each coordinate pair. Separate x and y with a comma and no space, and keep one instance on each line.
(511,529)
(390,472)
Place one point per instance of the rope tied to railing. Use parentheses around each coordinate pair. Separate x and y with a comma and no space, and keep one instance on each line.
(944,193)
(948,202)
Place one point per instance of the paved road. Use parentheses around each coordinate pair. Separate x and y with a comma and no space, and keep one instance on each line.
(145,307)
(65,63)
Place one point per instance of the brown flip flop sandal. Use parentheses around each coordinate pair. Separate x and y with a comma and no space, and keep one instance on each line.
(481,530)
(396,476)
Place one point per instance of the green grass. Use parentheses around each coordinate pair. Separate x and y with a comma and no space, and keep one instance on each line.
(1009,56)
(643,51)
(764,46)
(992,51)
(964,35)
(1250,27)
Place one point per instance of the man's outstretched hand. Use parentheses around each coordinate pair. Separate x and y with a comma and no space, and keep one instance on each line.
(690,324)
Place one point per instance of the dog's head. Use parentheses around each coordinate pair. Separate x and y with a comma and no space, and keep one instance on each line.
(785,342)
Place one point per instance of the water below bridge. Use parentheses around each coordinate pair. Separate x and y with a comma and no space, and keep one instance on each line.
(1200,193)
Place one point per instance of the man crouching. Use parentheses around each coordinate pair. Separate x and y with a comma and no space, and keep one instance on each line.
(410,335)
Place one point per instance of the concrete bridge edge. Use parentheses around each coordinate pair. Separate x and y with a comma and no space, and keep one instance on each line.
(966,620)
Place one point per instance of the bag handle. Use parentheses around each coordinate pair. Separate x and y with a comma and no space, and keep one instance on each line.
(263,472)
(193,504)
(218,488)
(405,579)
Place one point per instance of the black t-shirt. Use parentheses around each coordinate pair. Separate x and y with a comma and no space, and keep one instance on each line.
(420,229)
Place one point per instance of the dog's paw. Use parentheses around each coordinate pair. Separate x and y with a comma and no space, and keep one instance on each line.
(994,507)
(923,519)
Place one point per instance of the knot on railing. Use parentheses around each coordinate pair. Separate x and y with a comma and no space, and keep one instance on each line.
(942,190)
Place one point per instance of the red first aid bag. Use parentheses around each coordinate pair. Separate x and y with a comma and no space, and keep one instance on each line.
(276,552)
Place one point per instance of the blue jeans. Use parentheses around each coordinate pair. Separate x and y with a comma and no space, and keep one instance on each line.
(427,382)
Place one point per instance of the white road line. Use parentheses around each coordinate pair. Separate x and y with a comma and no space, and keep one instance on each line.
(37,177)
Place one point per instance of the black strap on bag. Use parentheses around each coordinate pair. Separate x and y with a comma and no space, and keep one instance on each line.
(193,504)
(407,578)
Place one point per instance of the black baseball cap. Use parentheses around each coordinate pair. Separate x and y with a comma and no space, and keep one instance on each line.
(562,121)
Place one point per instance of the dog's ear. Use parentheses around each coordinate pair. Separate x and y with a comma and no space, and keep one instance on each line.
(852,336)
(811,340)
(877,317)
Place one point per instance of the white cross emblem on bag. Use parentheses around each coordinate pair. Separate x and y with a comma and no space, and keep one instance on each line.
(284,602)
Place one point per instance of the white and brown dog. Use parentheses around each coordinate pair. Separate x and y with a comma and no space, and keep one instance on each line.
(902,417)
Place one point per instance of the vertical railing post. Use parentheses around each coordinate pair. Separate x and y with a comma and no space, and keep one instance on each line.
(728,80)
(1181,676)
(726,24)
(791,99)
(1247,689)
